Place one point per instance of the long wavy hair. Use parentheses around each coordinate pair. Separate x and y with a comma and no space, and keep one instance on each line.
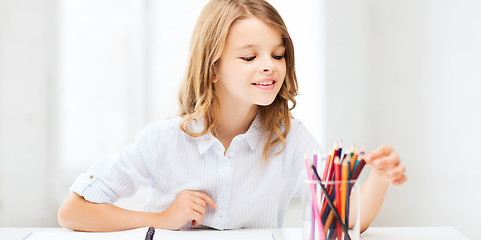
(197,95)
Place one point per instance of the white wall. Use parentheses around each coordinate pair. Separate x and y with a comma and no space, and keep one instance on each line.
(27,59)
(93,93)
(408,73)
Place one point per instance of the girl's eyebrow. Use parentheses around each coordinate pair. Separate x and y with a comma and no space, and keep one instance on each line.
(256,46)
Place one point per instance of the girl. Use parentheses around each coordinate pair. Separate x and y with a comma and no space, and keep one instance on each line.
(234,157)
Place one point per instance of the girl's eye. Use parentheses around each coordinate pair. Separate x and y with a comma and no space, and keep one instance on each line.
(278,57)
(248,58)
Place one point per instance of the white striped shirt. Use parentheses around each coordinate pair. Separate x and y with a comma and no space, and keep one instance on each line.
(248,194)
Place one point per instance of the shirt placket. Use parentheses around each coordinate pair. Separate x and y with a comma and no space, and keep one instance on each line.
(224,187)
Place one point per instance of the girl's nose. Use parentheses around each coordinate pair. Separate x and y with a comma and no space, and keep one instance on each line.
(268,66)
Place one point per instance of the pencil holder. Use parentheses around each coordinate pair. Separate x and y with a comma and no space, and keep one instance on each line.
(321,221)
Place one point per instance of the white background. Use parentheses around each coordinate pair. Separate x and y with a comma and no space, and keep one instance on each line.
(79,78)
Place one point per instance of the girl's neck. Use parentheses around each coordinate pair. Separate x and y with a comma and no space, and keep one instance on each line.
(234,121)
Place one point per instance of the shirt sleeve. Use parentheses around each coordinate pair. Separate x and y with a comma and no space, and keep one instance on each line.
(305,145)
(121,174)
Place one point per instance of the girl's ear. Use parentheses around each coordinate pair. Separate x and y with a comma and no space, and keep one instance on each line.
(214,77)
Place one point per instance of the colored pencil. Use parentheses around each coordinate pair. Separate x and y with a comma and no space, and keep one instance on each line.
(358,169)
(337,178)
(315,207)
(348,163)
(343,188)
(313,224)
(331,204)
(341,167)
(327,167)
(354,158)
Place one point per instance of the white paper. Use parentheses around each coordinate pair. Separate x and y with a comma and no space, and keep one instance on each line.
(71,235)
(140,233)
(213,235)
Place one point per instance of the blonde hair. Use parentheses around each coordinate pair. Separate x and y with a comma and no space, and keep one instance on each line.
(197,98)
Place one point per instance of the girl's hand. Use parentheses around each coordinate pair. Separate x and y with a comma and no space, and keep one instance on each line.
(188,206)
(386,164)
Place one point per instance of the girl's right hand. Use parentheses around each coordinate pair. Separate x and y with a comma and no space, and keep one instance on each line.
(188,206)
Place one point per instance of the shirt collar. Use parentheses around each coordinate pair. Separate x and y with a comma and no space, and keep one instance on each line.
(253,134)
(204,142)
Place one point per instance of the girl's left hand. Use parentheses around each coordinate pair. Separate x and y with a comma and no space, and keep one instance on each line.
(386,164)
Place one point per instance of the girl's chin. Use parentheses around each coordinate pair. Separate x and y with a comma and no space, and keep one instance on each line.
(265,103)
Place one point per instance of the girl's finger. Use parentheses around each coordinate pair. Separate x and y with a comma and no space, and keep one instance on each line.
(386,162)
(198,208)
(384,150)
(199,201)
(206,198)
(400,181)
(380,163)
(397,172)
(197,219)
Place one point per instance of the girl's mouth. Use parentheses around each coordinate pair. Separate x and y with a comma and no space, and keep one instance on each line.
(265,84)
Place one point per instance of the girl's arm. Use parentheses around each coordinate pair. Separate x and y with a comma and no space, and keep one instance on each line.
(386,169)
(76,213)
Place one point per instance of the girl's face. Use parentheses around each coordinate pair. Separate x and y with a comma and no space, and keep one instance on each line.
(252,67)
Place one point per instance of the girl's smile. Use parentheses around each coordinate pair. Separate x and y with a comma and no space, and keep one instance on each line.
(266,83)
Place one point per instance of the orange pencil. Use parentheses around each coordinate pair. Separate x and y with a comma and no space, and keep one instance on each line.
(330,174)
(349,163)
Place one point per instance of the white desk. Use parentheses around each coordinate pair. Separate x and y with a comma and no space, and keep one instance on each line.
(373,233)
(386,233)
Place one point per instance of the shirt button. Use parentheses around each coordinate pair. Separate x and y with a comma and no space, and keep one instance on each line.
(231,154)
(91,176)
